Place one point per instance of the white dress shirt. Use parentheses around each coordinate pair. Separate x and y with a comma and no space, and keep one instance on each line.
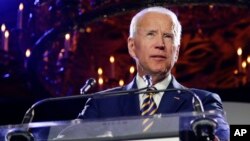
(159,86)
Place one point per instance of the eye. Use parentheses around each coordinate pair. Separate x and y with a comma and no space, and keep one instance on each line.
(150,34)
(167,35)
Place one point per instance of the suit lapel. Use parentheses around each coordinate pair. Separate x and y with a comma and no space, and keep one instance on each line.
(171,101)
(130,103)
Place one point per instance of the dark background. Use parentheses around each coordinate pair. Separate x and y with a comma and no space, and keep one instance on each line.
(21,86)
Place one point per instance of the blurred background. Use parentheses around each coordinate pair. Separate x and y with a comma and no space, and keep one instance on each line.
(49,48)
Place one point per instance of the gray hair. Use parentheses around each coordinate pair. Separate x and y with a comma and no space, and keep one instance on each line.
(176,23)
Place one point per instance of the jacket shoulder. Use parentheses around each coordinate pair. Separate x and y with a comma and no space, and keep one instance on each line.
(204,93)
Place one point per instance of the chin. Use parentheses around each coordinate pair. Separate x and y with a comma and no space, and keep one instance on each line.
(158,72)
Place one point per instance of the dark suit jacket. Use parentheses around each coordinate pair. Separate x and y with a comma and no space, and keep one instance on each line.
(171,102)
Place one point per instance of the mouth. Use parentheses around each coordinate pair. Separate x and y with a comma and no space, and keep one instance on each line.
(161,57)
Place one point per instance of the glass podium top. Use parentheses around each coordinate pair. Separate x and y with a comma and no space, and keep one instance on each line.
(122,128)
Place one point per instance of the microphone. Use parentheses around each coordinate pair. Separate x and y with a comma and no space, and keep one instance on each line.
(88,84)
(30,112)
(148,80)
(196,102)
(28,117)
(203,127)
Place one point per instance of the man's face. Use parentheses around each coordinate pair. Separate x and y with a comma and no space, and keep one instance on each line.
(153,44)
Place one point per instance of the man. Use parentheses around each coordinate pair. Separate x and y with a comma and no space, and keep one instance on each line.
(154,43)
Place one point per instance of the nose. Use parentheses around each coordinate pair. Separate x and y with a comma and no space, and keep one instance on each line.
(160,43)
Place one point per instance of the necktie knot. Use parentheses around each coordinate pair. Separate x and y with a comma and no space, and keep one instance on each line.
(151,89)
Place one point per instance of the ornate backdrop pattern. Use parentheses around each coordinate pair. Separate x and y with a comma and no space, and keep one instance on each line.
(212,34)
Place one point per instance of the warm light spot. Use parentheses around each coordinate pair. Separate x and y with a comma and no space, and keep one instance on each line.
(244,64)
(62,50)
(211,6)
(21,6)
(61,53)
(132,70)
(6,34)
(82,10)
(28,53)
(100,81)
(67,36)
(3,27)
(45,56)
(111,59)
(121,82)
(88,29)
(239,51)
(100,71)
(235,71)
(200,31)
(248,59)
(46,53)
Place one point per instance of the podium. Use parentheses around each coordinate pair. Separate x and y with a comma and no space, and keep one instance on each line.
(177,126)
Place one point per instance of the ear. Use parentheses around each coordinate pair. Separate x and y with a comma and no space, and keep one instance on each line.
(131,47)
(177,53)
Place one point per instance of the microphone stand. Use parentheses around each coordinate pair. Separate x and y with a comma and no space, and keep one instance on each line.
(28,117)
(203,127)
(23,134)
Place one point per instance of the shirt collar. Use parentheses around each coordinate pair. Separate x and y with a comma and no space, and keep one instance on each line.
(162,85)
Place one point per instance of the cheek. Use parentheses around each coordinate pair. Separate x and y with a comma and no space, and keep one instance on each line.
(140,49)
(140,53)
(172,53)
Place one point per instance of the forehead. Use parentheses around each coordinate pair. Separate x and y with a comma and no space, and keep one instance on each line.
(155,20)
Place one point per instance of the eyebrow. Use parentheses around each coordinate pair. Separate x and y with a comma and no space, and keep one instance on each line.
(150,30)
(169,34)
(155,31)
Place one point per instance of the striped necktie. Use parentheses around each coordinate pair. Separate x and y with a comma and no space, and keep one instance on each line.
(148,108)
